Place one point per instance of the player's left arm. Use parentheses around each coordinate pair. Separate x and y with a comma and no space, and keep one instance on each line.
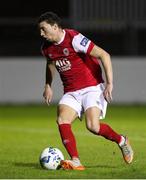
(107,65)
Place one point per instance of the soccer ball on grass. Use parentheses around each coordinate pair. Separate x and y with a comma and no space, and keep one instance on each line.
(50,158)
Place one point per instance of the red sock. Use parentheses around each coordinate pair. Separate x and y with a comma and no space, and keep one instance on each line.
(107,132)
(68,139)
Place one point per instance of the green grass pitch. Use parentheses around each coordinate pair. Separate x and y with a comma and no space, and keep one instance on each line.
(26,130)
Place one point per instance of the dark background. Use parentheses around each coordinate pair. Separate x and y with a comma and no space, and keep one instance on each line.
(19,35)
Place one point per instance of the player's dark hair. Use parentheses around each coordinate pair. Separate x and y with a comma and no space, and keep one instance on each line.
(51,18)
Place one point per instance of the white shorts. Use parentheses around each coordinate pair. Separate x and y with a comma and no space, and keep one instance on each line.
(85,98)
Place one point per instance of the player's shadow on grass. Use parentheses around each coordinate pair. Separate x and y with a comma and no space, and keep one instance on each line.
(37,166)
(29,165)
(101,166)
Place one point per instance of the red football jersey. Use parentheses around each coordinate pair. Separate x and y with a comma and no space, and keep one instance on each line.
(72,58)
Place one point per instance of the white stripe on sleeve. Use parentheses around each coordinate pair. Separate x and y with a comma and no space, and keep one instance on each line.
(80,43)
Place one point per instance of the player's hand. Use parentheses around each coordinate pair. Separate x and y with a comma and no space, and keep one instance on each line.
(48,94)
(108,92)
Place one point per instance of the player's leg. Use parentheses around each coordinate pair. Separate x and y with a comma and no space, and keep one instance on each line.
(68,111)
(66,116)
(95,106)
(92,122)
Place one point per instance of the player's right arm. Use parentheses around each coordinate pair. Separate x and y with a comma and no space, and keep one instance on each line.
(50,71)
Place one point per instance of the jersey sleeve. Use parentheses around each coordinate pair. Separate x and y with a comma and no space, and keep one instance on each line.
(82,44)
(43,51)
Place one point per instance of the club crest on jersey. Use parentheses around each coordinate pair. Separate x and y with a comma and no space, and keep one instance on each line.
(50,55)
(84,41)
(66,51)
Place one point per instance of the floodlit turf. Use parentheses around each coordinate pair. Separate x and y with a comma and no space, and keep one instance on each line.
(26,130)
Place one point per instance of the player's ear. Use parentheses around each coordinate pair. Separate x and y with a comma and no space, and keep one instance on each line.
(55,26)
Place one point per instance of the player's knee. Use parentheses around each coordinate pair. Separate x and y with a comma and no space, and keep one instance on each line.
(93,128)
(61,120)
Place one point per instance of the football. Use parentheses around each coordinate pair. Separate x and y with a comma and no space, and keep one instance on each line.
(50,158)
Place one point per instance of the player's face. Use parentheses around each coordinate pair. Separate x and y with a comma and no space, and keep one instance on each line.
(48,31)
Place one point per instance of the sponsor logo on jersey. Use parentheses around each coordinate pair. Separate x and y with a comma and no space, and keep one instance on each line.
(84,41)
(66,51)
(63,65)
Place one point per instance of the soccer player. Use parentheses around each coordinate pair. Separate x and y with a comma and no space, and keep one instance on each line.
(76,58)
